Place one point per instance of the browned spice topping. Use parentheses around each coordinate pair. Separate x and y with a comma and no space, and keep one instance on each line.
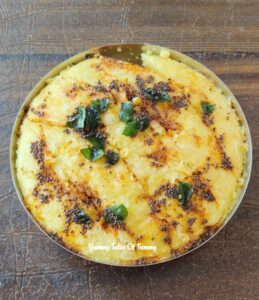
(198,185)
(37,112)
(174,223)
(49,188)
(204,221)
(84,227)
(159,157)
(209,231)
(167,239)
(155,205)
(196,175)
(37,149)
(207,195)
(44,198)
(98,67)
(162,86)
(42,106)
(92,201)
(99,87)
(35,192)
(148,141)
(160,189)
(69,213)
(162,119)
(190,221)
(130,91)
(208,119)
(45,191)
(140,83)
(164,228)
(226,162)
(189,206)
(139,238)
(172,191)
(114,85)
(150,79)
(180,102)
(72,92)
(200,188)
(220,141)
(44,177)
(197,180)
(87,196)
(83,133)
(117,224)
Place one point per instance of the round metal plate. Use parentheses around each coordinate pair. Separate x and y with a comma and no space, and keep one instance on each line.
(130,53)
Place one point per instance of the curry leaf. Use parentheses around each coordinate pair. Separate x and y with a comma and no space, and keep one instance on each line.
(142,123)
(77,120)
(156,96)
(207,108)
(112,157)
(92,153)
(130,128)
(114,213)
(185,191)
(92,119)
(126,111)
(100,105)
(97,140)
(81,217)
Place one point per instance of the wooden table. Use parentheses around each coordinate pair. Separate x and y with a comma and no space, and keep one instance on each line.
(37,35)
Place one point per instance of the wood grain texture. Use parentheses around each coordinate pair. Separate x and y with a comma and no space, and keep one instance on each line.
(37,35)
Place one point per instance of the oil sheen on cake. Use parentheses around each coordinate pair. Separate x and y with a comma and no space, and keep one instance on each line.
(127,164)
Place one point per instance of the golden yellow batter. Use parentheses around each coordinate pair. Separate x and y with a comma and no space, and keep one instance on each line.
(128,164)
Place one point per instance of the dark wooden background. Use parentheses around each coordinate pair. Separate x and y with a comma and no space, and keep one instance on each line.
(35,36)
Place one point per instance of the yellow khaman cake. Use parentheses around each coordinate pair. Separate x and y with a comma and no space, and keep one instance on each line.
(127,164)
